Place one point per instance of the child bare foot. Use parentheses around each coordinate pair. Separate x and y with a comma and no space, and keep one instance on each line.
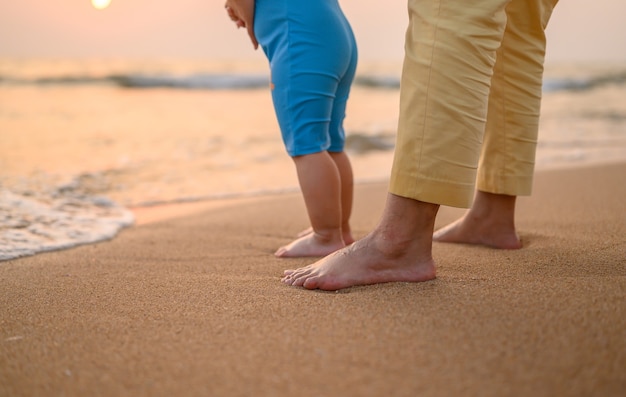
(306,231)
(362,263)
(347,236)
(310,244)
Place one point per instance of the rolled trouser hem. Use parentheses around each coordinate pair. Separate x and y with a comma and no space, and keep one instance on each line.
(507,185)
(432,191)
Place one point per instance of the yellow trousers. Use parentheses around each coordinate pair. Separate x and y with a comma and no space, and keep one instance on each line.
(470,99)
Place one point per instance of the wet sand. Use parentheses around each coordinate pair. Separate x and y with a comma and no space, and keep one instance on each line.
(188,302)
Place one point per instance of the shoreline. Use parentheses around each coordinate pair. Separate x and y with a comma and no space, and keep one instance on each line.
(146,214)
(134,216)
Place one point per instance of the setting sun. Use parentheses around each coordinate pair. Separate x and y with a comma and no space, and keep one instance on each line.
(100,4)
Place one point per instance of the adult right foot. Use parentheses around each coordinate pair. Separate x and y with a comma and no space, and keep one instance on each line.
(399,249)
(367,261)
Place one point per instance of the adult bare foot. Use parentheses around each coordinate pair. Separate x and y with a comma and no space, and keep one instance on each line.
(367,261)
(489,222)
(399,249)
(469,230)
(309,245)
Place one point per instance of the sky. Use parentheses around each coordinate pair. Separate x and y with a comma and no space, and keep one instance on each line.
(580,30)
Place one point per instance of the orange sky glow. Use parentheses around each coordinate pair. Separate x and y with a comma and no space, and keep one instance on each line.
(580,30)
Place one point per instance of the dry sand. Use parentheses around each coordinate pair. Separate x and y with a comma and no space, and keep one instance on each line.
(192,305)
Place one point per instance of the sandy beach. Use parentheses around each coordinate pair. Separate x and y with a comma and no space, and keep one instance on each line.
(144,187)
(188,302)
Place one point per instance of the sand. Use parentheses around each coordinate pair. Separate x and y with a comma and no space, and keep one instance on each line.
(190,304)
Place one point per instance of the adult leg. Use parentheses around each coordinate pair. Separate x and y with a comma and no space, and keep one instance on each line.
(450,52)
(507,160)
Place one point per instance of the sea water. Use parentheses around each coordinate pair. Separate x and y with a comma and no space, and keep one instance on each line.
(83,142)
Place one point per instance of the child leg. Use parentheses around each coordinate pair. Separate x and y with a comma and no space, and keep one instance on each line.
(321,185)
(344,168)
(311,73)
(342,162)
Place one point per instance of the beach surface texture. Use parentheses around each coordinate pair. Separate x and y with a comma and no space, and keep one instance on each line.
(191,304)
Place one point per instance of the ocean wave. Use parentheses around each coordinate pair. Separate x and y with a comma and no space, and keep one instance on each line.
(186,82)
(225,81)
(583,83)
(193,82)
(31,224)
(190,82)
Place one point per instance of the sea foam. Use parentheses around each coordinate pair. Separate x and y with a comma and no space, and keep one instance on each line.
(34,224)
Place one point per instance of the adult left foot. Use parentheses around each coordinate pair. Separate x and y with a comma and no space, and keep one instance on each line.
(471,230)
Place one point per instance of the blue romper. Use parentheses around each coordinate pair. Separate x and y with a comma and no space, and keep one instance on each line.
(313,57)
